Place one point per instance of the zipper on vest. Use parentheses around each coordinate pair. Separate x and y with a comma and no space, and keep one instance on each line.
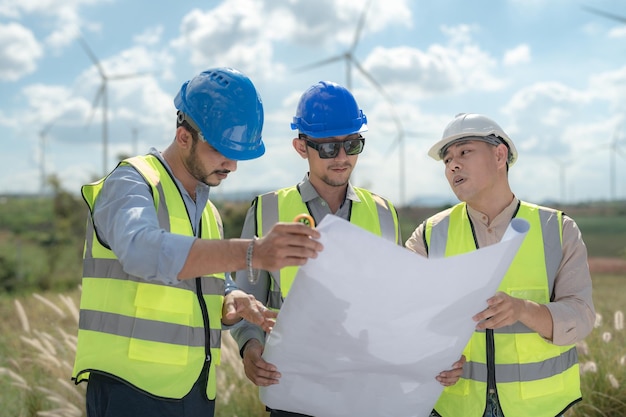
(205,319)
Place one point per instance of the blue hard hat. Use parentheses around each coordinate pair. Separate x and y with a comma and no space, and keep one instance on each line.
(327,109)
(225,107)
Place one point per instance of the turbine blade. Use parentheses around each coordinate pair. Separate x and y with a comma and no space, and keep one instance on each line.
(608,15)
(99,96)
(393,145)
(92,56)
(320,63)
(359,27)
(382,92)
(127,76)
(371,79)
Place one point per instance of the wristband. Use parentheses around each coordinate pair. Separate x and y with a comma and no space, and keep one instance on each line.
(253,275)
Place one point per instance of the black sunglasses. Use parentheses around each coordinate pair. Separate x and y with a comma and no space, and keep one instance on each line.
(327,150)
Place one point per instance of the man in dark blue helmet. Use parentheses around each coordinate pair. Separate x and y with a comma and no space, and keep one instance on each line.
(330,126)
(155,291)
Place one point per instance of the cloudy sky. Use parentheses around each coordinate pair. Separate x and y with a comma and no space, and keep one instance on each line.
(551,73)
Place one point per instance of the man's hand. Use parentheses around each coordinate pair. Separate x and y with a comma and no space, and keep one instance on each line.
(286,244)
(257,370)
(240,305)
(450,377)
(504,310)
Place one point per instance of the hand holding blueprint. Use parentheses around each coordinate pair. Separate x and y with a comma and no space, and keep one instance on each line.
(368,324)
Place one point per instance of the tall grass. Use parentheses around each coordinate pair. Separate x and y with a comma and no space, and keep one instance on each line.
(37,348)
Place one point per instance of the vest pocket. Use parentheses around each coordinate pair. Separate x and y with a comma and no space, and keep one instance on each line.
(538,361)
(536,294)
(161,329)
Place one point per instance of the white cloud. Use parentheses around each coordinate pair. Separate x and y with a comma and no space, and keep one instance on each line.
(456,67)
(518,55)
(19,52)
(618,32)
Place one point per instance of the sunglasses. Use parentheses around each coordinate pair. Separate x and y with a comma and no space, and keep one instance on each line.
(327,150)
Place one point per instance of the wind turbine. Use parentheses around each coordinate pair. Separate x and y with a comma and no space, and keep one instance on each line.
(350,60)
(102,94)
(347,55)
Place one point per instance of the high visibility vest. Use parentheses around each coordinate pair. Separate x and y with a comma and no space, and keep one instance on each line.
(373,213)
(154,336)
(532,376)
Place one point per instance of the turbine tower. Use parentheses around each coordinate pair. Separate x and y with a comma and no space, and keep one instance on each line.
(614,150)
(102,95)
(42,149)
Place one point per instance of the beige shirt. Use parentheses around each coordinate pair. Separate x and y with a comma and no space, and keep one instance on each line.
(572,309)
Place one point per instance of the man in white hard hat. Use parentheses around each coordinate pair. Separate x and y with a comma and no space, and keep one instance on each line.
(521,360)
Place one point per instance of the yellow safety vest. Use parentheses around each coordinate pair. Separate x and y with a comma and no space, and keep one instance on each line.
(154,336)
(373,213)
(533,377)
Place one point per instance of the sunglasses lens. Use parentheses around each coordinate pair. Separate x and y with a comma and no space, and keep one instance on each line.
(353,147)
(329,150)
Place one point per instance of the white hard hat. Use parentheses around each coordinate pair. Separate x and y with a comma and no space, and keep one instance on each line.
(475,127)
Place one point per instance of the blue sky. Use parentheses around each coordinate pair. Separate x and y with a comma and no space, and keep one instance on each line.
(551,73)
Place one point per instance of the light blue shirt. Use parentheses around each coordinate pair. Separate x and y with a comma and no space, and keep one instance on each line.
(126,221)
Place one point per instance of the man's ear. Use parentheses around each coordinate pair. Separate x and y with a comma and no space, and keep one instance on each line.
(502,154)
(183,137)
(301,147)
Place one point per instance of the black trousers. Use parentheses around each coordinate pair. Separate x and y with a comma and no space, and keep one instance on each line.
(108,397)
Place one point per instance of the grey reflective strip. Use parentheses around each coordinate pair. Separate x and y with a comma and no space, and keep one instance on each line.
(90,235)
(438,238)
(269,204)
(518,328)
(112,269)
(553,250)
(152,177)
(523,372)
(162,213)
(154,331)
(385,219)
(269,208)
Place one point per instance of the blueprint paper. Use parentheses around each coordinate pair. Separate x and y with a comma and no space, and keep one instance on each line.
(368,324)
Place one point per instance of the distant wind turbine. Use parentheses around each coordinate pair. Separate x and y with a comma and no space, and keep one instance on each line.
(614,150)
(42,149)
(135,132)
(102,95)
(562,184)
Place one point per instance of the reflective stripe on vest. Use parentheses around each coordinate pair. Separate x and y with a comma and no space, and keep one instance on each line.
(150,334)
(533,376)
(372,213)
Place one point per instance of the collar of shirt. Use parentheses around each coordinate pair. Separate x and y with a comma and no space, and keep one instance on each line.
(490,233)
(318,208)
(309,193)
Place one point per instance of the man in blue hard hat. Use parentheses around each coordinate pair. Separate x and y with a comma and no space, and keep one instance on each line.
(330,125)
(155,291)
